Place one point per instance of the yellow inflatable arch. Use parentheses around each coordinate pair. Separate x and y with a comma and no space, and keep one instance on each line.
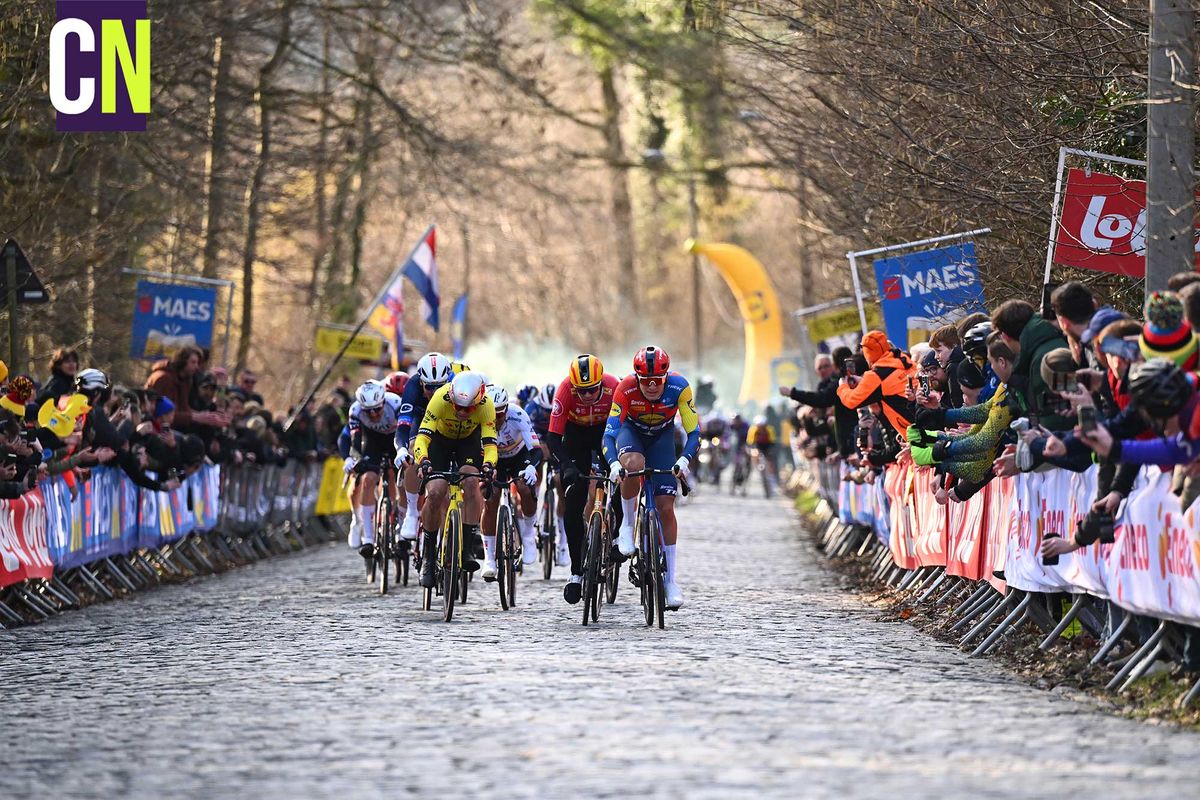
(761,319)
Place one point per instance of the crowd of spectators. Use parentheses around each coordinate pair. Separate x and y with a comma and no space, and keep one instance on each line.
(1020,390)
(186,414)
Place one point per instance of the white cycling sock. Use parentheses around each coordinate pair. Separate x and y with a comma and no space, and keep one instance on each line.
(669,550)
(526,526)
(413,502)
(489,547)
(367,515)
(561,525)
(629,510)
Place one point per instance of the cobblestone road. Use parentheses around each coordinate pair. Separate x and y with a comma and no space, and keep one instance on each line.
(291,679)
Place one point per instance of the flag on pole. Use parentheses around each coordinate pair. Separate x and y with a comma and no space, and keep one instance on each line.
(388,318)
(458,325)
(421,269)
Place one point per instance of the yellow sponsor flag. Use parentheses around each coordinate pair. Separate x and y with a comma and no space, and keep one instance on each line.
(761,320)
(330,497)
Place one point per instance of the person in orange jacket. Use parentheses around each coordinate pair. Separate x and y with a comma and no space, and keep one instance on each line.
(884,383)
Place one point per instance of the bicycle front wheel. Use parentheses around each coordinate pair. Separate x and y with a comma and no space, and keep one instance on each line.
(503,567)
(450,562)
(383,539)
(658,568)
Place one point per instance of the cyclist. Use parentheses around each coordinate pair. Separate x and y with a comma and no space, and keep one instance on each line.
(582,403)
(539,408)
(458,429)
(639,434)
(525,394)
(762,438)
(519,453)
(434,371)
(396,383)
(372,428)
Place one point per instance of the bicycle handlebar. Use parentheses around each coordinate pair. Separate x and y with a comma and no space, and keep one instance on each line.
(684,486)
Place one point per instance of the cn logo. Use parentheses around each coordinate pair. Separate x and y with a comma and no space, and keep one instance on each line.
(100,65)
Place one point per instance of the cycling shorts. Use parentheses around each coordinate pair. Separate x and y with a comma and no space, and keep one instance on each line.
(377,449)
(659,450)
(446,454)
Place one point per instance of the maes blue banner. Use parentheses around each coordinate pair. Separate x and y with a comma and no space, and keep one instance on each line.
(922,291)
(168,316)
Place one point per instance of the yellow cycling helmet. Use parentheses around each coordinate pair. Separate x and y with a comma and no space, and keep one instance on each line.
(586,372)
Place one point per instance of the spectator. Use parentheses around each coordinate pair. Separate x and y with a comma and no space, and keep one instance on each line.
(173,380)
(247,380)
(100,433)
(1180,280)
(63,366)
(1074,307)
(885,382)
(1167,334)
(947,344)
(1030,337)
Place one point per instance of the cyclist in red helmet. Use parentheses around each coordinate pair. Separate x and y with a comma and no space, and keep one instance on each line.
(640,434)
(396,382)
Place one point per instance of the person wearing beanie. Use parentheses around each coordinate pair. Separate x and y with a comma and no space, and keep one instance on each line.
(1167,334)
(19,395)
(885,382)
(971,381)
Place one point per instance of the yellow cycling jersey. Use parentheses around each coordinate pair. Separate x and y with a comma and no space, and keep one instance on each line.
(440,418)
(760,435)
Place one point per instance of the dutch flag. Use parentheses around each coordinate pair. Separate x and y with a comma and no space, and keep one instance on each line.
(421,269)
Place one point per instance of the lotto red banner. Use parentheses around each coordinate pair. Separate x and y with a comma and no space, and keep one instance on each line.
(24,552)
(1102,224)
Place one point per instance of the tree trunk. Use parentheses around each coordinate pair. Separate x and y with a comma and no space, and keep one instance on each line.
(322,170)
(264,98)
(622,206)
(217,158)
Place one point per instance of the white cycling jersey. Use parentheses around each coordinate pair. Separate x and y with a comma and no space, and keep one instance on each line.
(385,424)
(517,433)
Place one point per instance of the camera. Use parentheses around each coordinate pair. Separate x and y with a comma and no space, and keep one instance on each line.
(848,367)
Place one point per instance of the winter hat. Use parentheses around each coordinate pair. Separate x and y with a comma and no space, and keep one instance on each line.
(1056,366)
(20,392)
(163,407)
(1166,333)
(929,361)
(875,346)
(969,375)
(1100,320)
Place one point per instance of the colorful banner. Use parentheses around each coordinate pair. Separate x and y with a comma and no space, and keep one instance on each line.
(24,549)
(364,346)
(421,269)
(1102,224)
(167,317)
(761,321)
(841,325)
(331,497)
(922,291)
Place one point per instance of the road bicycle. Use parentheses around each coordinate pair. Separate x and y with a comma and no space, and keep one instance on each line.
(508,542)
(379,564)
(648,568)
(548,524)
(451,577)
(601,573)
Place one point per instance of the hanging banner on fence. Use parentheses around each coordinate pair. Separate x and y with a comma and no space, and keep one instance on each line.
(840,326)
(1102,224)
(331,499)
(24,550)
(364,347)
(167,317)
(923,290)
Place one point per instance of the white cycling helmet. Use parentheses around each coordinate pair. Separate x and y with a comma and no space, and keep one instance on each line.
(499,398)
(545,398)
(370,395)
(467,389)
(89,380)
(434,369)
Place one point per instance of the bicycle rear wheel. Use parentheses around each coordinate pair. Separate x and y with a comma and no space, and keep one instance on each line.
(591,569)
(503,567)
(451,560)
(546,540)
(612,570)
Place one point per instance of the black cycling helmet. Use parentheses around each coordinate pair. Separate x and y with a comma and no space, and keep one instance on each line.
(974,343)
(1159,388)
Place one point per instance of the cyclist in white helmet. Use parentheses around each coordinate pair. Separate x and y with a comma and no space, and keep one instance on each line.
(434,371)
(373,425)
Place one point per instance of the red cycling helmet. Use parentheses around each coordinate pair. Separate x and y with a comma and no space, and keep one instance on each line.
(651,362)
(396,382)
